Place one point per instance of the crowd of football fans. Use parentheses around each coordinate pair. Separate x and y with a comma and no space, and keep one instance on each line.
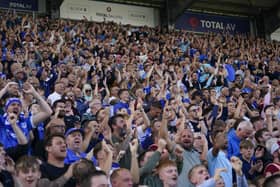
(87,104)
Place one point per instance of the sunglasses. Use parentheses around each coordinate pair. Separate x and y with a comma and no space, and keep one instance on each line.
(87,90)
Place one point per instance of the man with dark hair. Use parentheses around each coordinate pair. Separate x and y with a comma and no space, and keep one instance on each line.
(124,95)
(262,136)
(235,93)
(196,121)
(272,181)
(54,168)
(155,110)
(54,126)
(258,122)
(196,97)
(95,179)
(118,126)
(59,108)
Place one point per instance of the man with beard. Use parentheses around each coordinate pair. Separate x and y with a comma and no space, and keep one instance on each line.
(56,153)
(118,126)
(190,156)
(93,135)
(121,137)
(183,148)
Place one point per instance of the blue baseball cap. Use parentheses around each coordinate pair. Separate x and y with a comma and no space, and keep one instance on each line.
(246,90)
(71,130)
(120,106)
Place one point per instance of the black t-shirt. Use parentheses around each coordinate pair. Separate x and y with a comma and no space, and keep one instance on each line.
(195,126)
(39,149)
(16,152)
(6,179)
(52,172)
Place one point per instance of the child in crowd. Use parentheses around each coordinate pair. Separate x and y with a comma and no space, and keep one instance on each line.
(28,174)
(250,167)
(200,177)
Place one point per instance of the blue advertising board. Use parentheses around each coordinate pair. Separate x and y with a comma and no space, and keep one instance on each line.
(202,22)
(30,5)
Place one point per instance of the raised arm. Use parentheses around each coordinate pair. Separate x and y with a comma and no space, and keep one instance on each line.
(239,106)
(45,111)
(106,98)
(203,155)
(134,168)
(146,119)
(109,158)
(154,159)
(6,88)
(163,131)
(59,182)
(89,131)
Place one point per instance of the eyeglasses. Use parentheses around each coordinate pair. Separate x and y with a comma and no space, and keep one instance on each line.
(87,90)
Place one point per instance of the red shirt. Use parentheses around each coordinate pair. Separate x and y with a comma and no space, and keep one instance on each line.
(272,168)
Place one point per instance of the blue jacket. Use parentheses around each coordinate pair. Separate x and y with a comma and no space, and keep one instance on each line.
(233,144)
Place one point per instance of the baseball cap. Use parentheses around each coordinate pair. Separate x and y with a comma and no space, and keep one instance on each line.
(71,130)
(246,90)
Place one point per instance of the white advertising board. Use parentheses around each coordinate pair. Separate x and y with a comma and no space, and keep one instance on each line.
(275,35)
(119,13)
